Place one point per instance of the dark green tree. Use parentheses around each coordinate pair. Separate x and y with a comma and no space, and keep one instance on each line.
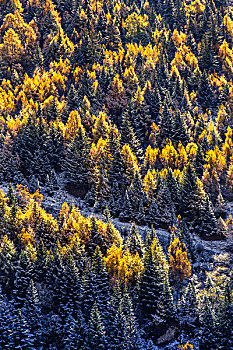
(76,164)
(96,332)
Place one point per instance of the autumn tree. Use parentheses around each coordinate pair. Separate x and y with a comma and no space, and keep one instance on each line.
(179,262)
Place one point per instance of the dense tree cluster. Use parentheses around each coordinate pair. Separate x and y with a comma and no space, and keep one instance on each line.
(74,283)
(129,104)
(131,101)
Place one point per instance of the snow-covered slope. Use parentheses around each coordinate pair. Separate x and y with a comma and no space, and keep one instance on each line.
(53,204)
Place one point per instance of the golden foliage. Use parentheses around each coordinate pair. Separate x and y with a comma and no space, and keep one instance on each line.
(122,266)
(187,346)
(179,263)
(101,127)
(73,124)
(133,23)
(130,162)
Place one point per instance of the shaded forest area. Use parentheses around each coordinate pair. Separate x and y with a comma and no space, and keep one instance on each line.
(132,103)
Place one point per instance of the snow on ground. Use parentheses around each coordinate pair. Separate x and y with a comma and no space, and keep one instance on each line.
(53,204)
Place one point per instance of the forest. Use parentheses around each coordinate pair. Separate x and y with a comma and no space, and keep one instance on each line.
(126,108)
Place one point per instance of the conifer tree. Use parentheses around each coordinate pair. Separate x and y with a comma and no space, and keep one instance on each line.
(72,99)
(20,334)
(151,284)
(208,225)
(129,137)
(7,264)
(114,202)
(76,163)
(166,123)
(95,238)
(130,336)
(75,332)
(180,131)
(226,336)
(39,267)
(153,216)
(31,148)
(116,168)
(56,147)
(220,208)
(70,303)
(189,306)
(134,241)
(23,276)
(199,162)
(189,193)
(136,195)
(166,210)
(208,320)
(87,293)
(205,92)
(96,332)
(127,209)
(32,313)
(101,284)
(166,312)
(55,276)
(174,188)
(6,315)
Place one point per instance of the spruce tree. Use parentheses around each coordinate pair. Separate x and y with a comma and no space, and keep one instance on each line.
(74,332)
(114,202)
(188,306)
(116,168)
(152,280)
(207,338)
(226,333)
(130,336)
(180,131)
(20,335)
(70,303)
(166,123)
(134,241)
(23,276)
(33,314)
(72,99)
(76,164)
(7,264)
(96,332)
(6,318)
(128,136)
(153,216)
(31,148)
(174,188)
(127,212)
(39,267)
(189,194)
(87,292)
(208,224)
(166,210)
(136,196)
(101,282)
(55,273)
(205,94)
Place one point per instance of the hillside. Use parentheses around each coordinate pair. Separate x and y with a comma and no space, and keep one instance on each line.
(116,174)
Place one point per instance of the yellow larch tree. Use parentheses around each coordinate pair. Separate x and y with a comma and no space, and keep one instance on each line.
(101,127)
(122,266)
(186,346)
(179,263)
(130,162)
